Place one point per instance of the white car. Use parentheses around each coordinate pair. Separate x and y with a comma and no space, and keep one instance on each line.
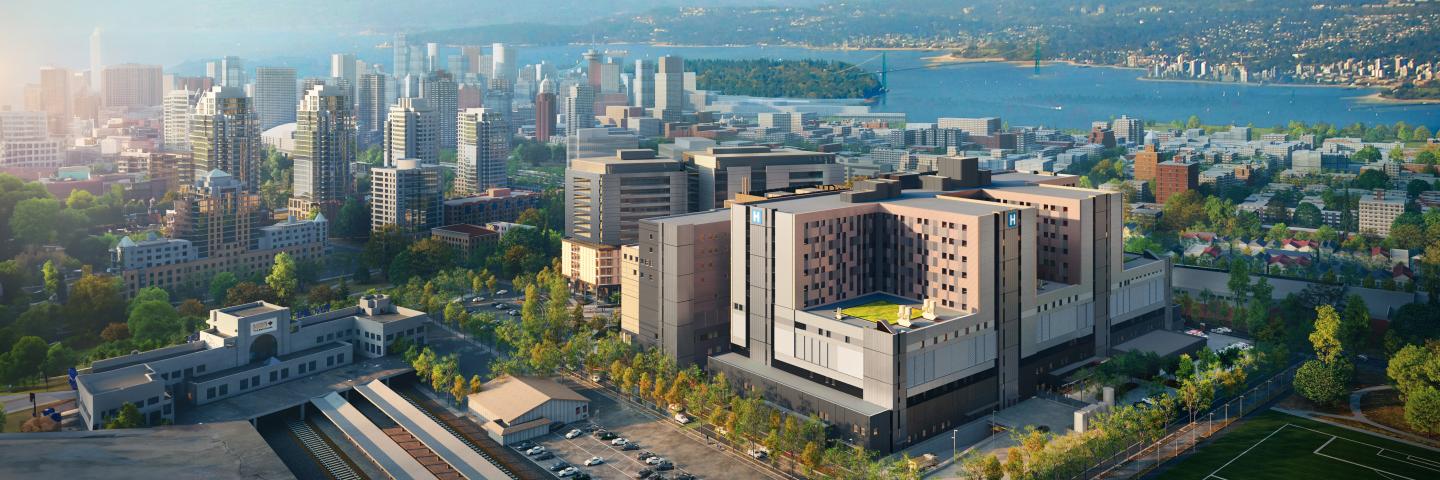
(1220,330)
(502,292)
(568,471)
(593,461)
(682,418)
(574,433)
(535,450)
(514,312)
(654,460)
(759,454)
(618,441)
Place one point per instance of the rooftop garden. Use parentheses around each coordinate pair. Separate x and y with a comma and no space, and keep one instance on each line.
(880,311)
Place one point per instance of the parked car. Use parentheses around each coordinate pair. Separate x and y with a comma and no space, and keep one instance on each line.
(644,455)
(558,466)
(514,312)
(664,465)
(758,453)
(654,460)
(618,441)
(574,433)
(684,476)
(581,476)
(500,306)
(502,292)
(535,450)
(1220,330)
(590,428)
(525,445)
(545,456)
(644,472)
(630,446)
(593,461)
(568,471)
(605,434)
(595,377)
(682,418)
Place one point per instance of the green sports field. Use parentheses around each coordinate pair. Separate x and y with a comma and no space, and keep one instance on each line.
(1275,445)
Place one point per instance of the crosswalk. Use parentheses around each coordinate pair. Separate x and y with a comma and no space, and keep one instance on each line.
(328,458)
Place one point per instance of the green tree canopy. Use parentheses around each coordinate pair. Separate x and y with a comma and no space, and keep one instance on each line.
(154,320)
(284,278)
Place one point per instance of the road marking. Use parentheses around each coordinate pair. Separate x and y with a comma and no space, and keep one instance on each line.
(1252,447)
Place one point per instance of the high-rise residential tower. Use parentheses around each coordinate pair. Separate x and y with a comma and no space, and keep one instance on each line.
(225,135)
(274,96)
(230,72)
(484,145)
(324,148)
(344,65)
(643,86)
(579,108)
(670,88)
(131,85)
(439,89)
(179,105)
(400,66)
(545,111)
(502,61)
(412,131)
(96,60)
(57,99)
(370,106)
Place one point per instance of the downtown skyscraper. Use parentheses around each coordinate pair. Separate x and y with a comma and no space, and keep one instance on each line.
(370,107)
(178,106)
(579,108)
(324,148)
(643,86)
(131,85)
(439,89)
(670,88)
(225,136)
(274,96)
(484,145)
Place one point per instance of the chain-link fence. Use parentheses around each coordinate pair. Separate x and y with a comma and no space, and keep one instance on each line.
(1183,435)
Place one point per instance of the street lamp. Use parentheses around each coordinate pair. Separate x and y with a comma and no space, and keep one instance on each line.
(954,450)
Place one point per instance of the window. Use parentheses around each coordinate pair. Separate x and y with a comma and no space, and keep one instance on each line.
(152,401)
(210,393)
(225,390)
(244,383)
(340,358)
(285,373)
(255,381)
(274,376)
(200,369)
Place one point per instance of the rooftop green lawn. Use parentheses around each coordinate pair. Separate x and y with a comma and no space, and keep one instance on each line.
(1280,446)
(880,311)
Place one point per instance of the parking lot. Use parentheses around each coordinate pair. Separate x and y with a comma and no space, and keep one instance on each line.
(653,435)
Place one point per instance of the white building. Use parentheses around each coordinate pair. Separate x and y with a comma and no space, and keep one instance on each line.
(275,96)
(243,348)
(25,141)
(515,409)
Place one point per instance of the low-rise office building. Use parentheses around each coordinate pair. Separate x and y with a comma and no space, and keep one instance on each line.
(515,409)
(465,238)
(718,173)
(244,348)
(495,205)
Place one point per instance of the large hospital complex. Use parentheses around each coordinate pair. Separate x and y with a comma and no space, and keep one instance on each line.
(903,307)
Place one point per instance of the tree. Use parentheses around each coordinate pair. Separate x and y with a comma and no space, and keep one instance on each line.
(1239,281)
(1192,122)
(33,221)
(54,281)
(129,417)
(1417,187)
(476,384)
(58,359)
(320,295)
(1307,215)
(115,332)
(459,389)
(1414,367)
(1278,232)
(1322,383)
(192,308)
(1422,409)
(454,314)
(246,292)
(28,355)
(95,301)
(1421,133)
(154,320)
(1367,154)
(1354,324)
(811,455)
(1326,338)
(283,278)
(148,294)
(1372,179)
(221,284)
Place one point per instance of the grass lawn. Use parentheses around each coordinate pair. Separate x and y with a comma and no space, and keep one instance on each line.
(1280,446)
(880,311)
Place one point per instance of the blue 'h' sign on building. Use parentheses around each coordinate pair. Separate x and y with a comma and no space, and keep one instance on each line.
(757,216)
(1012,219)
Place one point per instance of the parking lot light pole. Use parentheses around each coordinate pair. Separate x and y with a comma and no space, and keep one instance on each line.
(954,450)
